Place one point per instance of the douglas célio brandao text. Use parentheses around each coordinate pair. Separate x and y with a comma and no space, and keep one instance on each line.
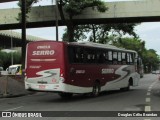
(145,114)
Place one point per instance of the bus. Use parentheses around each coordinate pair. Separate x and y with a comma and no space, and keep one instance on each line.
(69,68)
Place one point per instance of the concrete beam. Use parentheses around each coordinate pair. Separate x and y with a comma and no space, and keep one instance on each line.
(130,11)
(2,1)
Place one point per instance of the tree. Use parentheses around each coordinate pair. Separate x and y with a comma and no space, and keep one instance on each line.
(131,43)
(5,58)
(72,8)
(149,57)
(151,60)
(29,4)
(100,33)
(117,29)
(76,7)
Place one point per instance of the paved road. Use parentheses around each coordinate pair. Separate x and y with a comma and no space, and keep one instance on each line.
(145,97)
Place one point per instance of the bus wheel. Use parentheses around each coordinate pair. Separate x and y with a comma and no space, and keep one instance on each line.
(128,87)
(65,95)
(96,89)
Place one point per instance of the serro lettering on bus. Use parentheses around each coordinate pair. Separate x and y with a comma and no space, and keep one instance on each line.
(44,52)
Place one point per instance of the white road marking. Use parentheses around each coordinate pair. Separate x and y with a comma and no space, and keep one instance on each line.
(154,83)
(148,93)
(147,108)
(148,100)
(150,87)
(14,108)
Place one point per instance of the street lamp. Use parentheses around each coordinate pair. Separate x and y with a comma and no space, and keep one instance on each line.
(23,10)
(56,20)
(56,16)
(11,49)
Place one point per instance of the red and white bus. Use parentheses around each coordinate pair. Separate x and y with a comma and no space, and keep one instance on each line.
(71,68)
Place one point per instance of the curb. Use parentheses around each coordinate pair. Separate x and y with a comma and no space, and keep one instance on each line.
(16,95)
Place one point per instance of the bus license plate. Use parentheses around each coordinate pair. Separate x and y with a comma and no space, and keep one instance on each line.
(42,87)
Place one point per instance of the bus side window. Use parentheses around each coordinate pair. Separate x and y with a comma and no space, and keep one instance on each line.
(115,56)
(91,56)
(72,54)
(124,58)
(131,59)
(75,54)
(101,57)
(119,58)
(79,55)
(106,57)
(128,59)
(85,55)
(110,57)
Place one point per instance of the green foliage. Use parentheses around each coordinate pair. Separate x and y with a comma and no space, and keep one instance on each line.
(29,4)
(123,28)
(72,7)
(131,43)
(79,33)
(151,60)
(100,33)
(149,57)
(104,33)
(75,7)
(5,58)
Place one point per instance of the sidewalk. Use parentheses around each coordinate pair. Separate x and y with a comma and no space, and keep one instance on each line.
(12,86)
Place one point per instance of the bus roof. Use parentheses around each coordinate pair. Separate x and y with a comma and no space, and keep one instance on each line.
(98,45)
(90,44)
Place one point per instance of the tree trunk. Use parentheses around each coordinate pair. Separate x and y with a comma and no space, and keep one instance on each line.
(70,31)
(94,33)
(149,68)
(69,23)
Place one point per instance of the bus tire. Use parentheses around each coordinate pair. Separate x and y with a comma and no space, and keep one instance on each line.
(65,95)
(96,89)
(128,87)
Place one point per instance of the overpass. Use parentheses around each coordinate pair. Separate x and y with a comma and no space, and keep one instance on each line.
(126,11)
(7,35)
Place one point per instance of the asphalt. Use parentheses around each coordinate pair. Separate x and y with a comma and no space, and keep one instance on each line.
(12,86)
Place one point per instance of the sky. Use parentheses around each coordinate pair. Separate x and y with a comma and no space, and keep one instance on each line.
(148,31)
